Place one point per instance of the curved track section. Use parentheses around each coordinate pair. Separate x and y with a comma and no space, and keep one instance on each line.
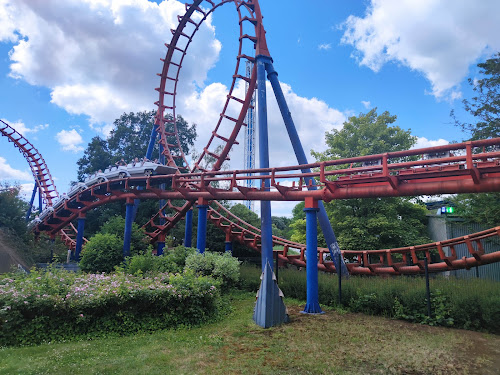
(475,168)
(405,260)
(42,177)
(36,162)
(232,117)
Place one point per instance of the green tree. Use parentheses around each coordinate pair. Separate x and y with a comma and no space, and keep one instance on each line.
(12,209)
(484,106)
(481,208)
(369,223)
(129,139)
(245,214)
(281,226)
(366,134)
(139,242)
(96,156)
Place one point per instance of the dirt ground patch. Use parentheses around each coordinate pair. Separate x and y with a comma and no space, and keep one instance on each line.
(471,352)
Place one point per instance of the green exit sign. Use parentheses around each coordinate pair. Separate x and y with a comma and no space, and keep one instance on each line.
(447,210)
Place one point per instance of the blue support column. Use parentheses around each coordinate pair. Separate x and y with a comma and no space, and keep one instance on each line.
(40,202)
(202,226)
(32,200)
(149,154)
(52,244)
(312,306)
(265,206)
(228,243)
(161,203)
(79,237)
(188,232)
(127,235)
(160,245)
(152,141)
(324,222)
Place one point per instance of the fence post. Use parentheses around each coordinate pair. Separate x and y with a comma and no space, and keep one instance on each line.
(339,273)
(427,287)
(276,257)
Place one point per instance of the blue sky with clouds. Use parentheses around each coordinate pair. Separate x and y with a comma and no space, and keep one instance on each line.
(68,69)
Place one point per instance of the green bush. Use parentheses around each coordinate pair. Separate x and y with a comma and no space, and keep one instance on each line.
(222,267)
(102,253)
(172,261)
(139,242)
(56,305)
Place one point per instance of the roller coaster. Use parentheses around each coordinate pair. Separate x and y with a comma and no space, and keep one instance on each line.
(470,167)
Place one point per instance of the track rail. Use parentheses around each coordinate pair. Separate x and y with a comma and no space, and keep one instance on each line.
(42,177)
(397,261)
(476,170)
(37,164)
(231,119)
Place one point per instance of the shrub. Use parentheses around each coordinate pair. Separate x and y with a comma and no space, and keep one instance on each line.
(172,261)
(222,267)
(55,305)
(139,242)
(102,253)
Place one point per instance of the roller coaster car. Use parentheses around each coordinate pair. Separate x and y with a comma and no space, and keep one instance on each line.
(437,155)
(113,173)
(63,198)
(45,213)
(95,178)
(76,188)
(34,222)
(369,163)
(149,168)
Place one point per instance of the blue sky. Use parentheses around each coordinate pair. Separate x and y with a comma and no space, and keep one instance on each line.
(67,69)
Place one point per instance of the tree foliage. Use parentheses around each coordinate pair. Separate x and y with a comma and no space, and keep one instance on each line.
(12,209)
(378,223)
(104,250)
(365,134)
(368,223)
(479,208)
(129,139)
(484,106)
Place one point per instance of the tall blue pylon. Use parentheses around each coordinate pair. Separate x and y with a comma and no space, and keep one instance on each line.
(324,222)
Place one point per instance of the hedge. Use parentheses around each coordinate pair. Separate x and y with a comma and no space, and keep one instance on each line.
(55,305)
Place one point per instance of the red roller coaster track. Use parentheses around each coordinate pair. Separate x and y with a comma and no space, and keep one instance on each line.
(475,168)
(41,174)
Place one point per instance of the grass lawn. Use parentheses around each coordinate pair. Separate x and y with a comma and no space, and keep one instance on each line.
(332,343)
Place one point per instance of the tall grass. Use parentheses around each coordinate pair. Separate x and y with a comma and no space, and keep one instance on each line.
(461,303)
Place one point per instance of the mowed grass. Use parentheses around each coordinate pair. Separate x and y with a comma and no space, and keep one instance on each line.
(332,343)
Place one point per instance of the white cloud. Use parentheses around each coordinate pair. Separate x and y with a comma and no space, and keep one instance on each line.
(100,57)
(325,46)
(9,173)
(439,39)
(423,142)
(366,104)
(70,140)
